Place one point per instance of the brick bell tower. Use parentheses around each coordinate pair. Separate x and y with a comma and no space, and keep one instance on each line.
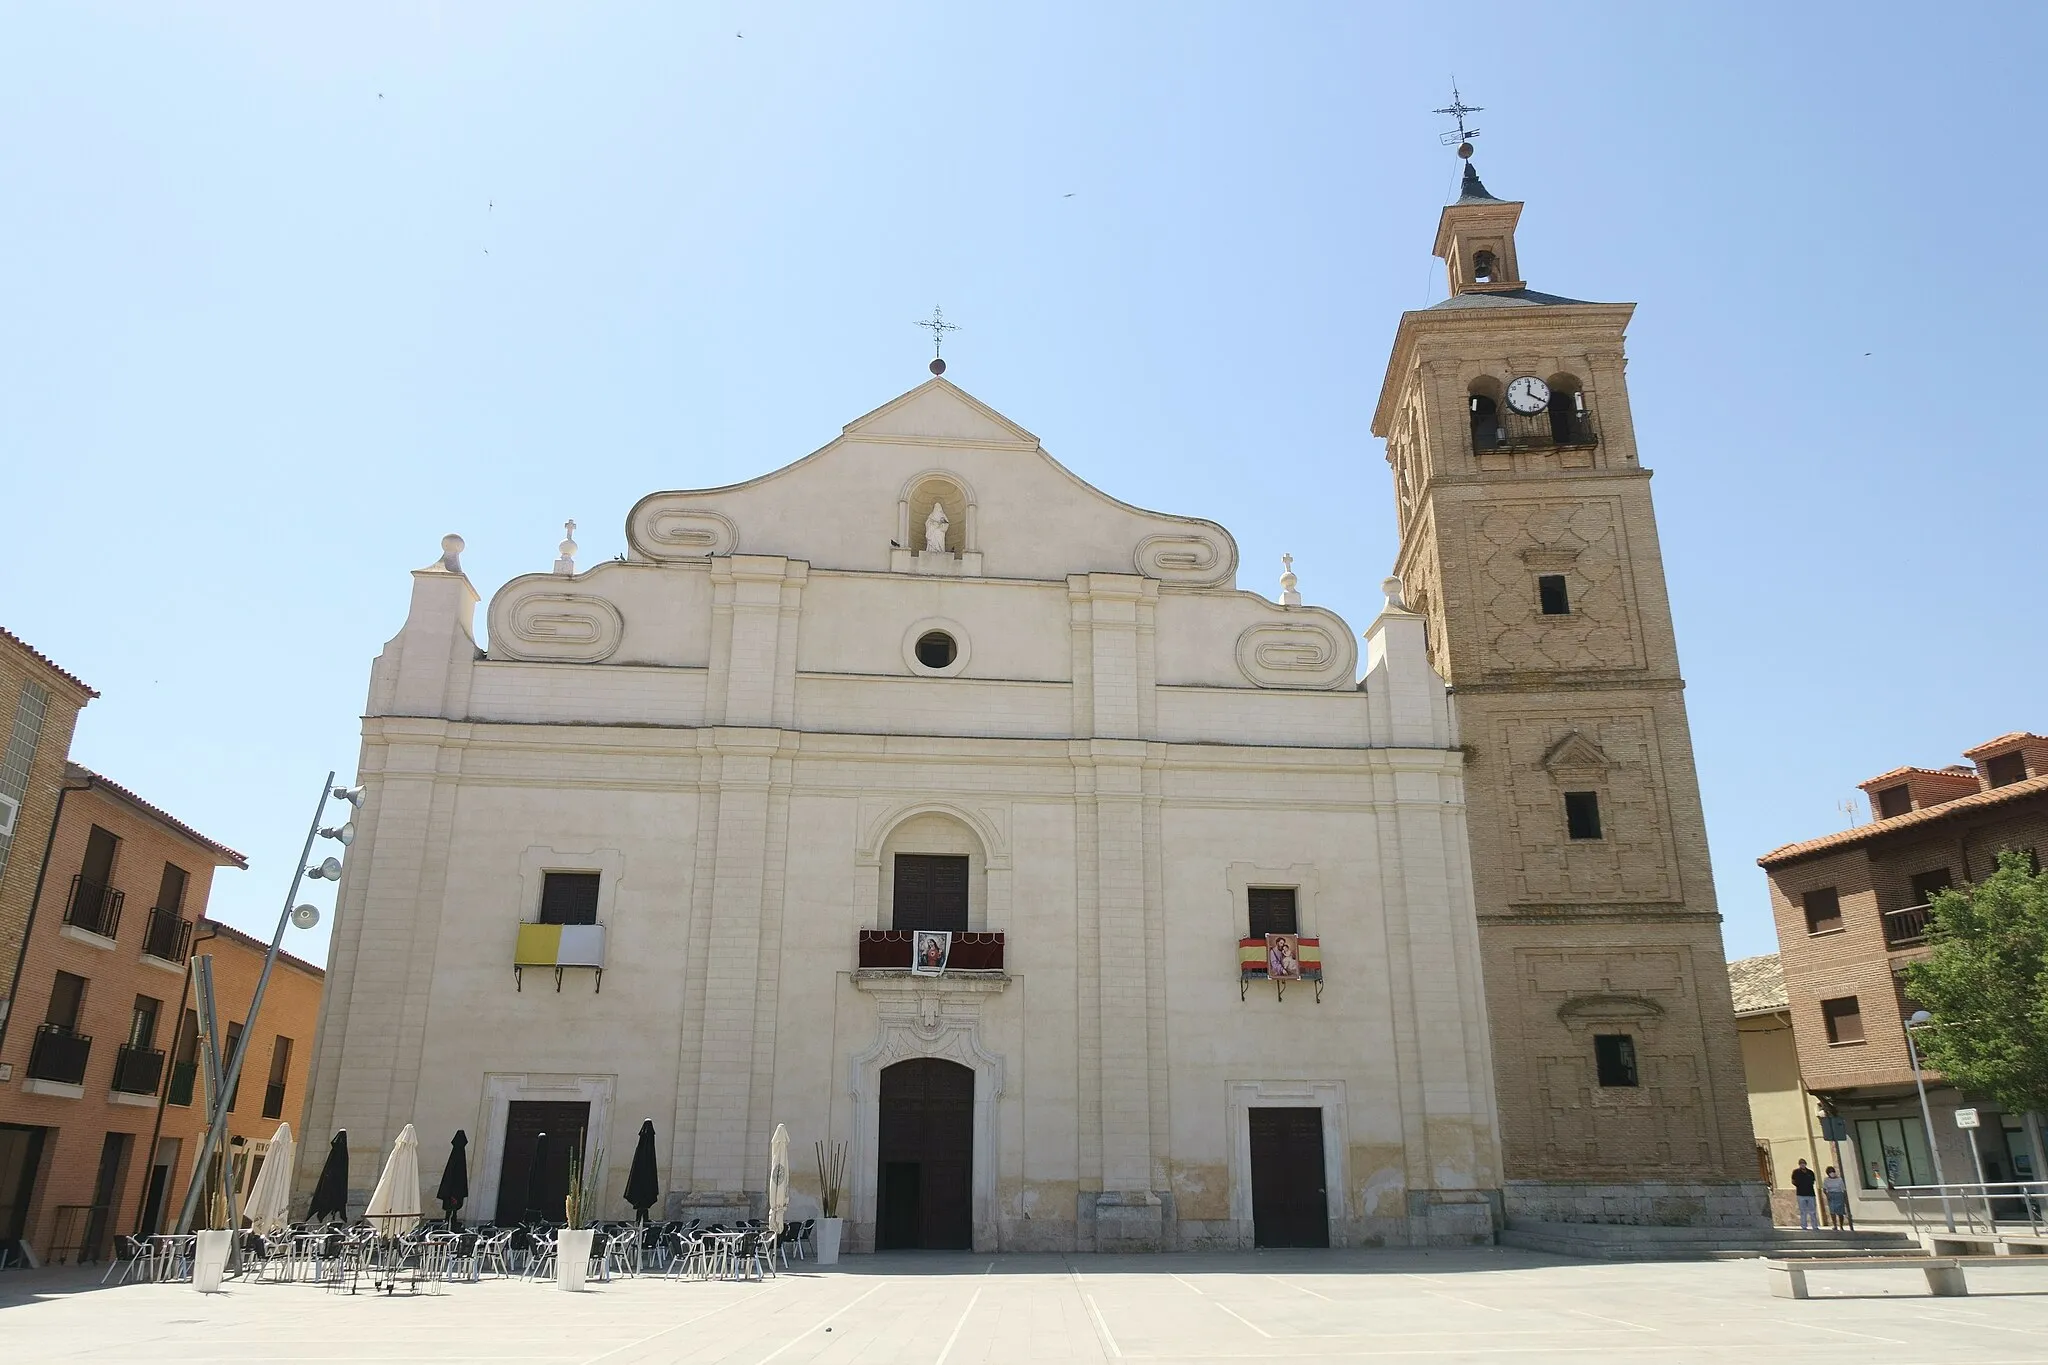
(1529,546)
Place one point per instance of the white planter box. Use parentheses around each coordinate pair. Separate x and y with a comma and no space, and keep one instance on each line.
(210,1260)
(826,1235)
(572,1258)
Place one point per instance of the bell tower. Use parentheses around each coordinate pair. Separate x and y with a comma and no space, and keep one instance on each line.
(1529,546)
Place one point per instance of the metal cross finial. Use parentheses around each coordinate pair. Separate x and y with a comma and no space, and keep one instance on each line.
(938,326)
(1457,109)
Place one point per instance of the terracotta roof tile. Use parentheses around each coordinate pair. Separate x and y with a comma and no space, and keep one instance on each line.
(46,661)
(2004,741)
(1876,829)
(1758,984)
(226,854)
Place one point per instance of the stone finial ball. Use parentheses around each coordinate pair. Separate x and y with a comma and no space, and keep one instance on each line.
(451,544)
(937,367)
(1396,591)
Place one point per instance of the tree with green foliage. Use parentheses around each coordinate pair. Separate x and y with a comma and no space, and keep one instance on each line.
(1986,984)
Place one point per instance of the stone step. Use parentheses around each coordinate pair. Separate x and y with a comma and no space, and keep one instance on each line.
(1628,1242)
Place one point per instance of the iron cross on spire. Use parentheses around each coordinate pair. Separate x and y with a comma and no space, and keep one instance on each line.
(1457,109)
(938,327)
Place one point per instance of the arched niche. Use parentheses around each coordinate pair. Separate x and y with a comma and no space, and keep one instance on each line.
(949,490)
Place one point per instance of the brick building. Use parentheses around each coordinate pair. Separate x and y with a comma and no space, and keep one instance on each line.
(39,706)
(104,1033)
(1852,910)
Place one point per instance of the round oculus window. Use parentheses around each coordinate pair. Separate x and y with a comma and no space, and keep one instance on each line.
(935,649)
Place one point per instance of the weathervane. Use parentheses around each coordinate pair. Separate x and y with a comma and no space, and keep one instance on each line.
(938,326)
(1457,109)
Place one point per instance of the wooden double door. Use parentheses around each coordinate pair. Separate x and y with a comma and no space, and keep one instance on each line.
(1290,1196)
(526,1189)
(924,1190)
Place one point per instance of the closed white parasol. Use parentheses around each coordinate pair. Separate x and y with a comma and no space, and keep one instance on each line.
(270,1198)
(395,1203)
(778,1177)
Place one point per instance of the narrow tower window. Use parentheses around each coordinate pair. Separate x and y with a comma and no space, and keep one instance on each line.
(1551,593)
(1582,814)
(1614,1054)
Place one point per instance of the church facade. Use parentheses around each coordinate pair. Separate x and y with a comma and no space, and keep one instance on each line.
(927,800)
(931,802)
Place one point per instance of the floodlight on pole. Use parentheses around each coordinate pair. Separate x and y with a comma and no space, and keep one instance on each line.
(305,917)
(343,834)
(1921,1019)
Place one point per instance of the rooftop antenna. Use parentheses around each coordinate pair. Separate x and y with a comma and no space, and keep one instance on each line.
(1847,805)
(938,327)
(1457,109)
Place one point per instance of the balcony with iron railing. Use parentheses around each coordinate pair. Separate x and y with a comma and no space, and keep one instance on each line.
(1509,431)
(138,1069)
(183,1074)
(1907,927)
(887,950)
(93,908)
(59,1054)
(168,935)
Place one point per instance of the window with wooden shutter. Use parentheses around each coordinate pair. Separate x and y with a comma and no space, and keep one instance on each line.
(1844,1019)
(1273,910)
(568,898)
(1823,910)
(930,892)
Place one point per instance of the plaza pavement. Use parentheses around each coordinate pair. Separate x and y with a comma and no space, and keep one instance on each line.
(908,1308)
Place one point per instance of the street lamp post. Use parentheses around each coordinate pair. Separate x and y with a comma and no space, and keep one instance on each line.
(305,917)
(1920,1019)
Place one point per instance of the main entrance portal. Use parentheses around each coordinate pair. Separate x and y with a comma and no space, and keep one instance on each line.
(925,1154)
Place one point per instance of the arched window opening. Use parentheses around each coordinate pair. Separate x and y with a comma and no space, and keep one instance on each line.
(1569,422)
(1487,433)
(1484,268)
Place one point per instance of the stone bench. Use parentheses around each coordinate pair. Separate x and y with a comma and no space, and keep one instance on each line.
(1944,1273)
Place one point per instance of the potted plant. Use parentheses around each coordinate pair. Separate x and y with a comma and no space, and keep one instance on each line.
(831,1184)
(572,1244)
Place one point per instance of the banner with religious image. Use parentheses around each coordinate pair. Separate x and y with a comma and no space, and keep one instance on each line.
(929,949)
(1283,957)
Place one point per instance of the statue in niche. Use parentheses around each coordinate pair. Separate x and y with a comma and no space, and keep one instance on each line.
(935,530)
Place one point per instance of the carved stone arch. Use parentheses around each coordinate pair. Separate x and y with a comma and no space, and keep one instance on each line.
(914,504)
(878,823)
(989,889)
(938,1018)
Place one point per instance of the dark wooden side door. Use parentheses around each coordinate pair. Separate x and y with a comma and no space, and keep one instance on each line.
(930,892)
(925,1177)
(1290,1201)
(525,1120)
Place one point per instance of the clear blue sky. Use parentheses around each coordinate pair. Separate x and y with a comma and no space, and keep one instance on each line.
(287,292)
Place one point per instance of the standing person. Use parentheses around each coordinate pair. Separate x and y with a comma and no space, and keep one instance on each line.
(1837,1191)
(1802,1186)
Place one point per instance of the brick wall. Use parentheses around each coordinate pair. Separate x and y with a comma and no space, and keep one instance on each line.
(21,666)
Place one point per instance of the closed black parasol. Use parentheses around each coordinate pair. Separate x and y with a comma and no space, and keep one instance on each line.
(454,1190)
(330,1196)
(643,1182)
(537,1183)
